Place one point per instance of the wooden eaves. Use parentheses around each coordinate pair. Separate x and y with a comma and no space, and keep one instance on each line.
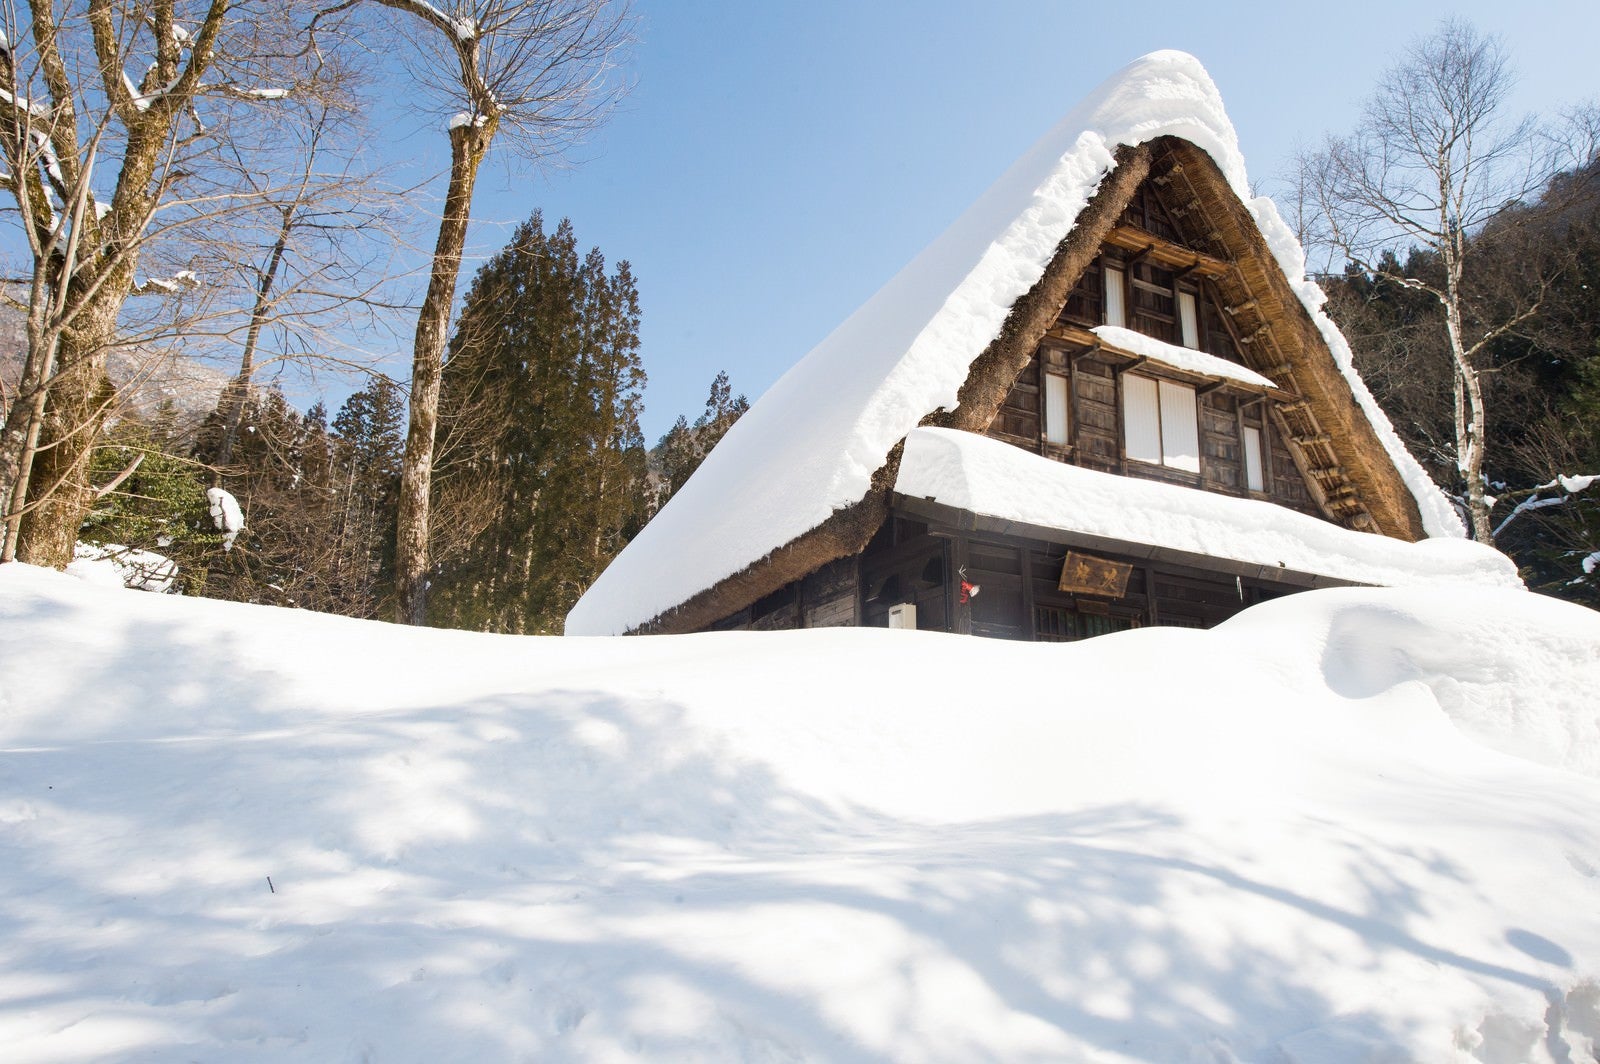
(1147,245)
(942,515)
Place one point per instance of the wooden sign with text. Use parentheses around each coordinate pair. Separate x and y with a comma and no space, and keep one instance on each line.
(1088,575)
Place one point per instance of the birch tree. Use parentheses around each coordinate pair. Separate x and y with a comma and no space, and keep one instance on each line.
(1435,158)
(539,73)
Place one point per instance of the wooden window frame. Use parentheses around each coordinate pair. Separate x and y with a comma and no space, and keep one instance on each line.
(1046,413)
(1114,277)
(1189,329)
(1259,466)
(1168,459)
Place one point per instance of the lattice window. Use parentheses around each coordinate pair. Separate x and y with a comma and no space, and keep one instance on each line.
(1057,624)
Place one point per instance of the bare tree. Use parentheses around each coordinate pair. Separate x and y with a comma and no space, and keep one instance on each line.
(308,257)
(541,73)
(1435,159)
(110,117)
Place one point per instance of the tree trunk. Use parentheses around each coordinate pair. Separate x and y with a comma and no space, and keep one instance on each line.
(86,257)
(1477,504)
(1470,419)
(468,144)
(58,491)
(238,389)
(25,422)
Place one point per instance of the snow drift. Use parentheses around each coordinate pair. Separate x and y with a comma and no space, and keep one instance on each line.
(1348,825)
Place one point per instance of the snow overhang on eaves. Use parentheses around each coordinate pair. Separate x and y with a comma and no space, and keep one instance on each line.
(979,484)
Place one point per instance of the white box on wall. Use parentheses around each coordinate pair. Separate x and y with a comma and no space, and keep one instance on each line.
(903,615)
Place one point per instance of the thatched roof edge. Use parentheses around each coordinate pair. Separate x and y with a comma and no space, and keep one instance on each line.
(845,533)
(1287,335)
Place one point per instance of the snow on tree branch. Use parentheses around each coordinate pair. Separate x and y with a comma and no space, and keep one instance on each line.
(1568,487)
(225,515)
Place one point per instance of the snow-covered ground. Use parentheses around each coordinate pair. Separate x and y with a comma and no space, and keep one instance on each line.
(1352,825)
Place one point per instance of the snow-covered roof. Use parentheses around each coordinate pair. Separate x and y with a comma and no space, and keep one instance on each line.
(994,479)
(811,444)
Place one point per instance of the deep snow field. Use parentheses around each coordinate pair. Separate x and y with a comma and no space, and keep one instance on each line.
(1352,825)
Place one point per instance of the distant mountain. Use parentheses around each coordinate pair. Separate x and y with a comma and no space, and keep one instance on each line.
(146,379)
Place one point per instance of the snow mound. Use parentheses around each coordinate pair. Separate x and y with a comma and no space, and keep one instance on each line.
(114,565)
(1329,830)
(1534,697)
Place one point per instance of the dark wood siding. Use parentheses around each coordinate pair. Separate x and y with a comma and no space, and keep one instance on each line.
(1221,454)
(828,596)
(1098,426)
(1018,596)
(1153,308)
(1019,421)
(905,563)
(997,609)
(1086,303)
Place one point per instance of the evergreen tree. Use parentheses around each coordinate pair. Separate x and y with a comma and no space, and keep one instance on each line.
(723,408)
(679,457)
(160,506)
(368,439)
(540,478)
(680,452)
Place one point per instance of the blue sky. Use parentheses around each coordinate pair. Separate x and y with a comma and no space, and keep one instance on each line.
(776,163)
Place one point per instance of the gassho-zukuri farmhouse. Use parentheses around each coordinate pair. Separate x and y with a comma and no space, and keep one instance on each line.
(1107,397)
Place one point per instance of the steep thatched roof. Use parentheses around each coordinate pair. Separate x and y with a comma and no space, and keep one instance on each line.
(806,475)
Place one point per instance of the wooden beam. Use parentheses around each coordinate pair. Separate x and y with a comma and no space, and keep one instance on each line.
(1264,329)
(1166,252)
(1072,334)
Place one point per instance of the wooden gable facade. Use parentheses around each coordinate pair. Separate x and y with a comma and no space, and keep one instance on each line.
(1165,250)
